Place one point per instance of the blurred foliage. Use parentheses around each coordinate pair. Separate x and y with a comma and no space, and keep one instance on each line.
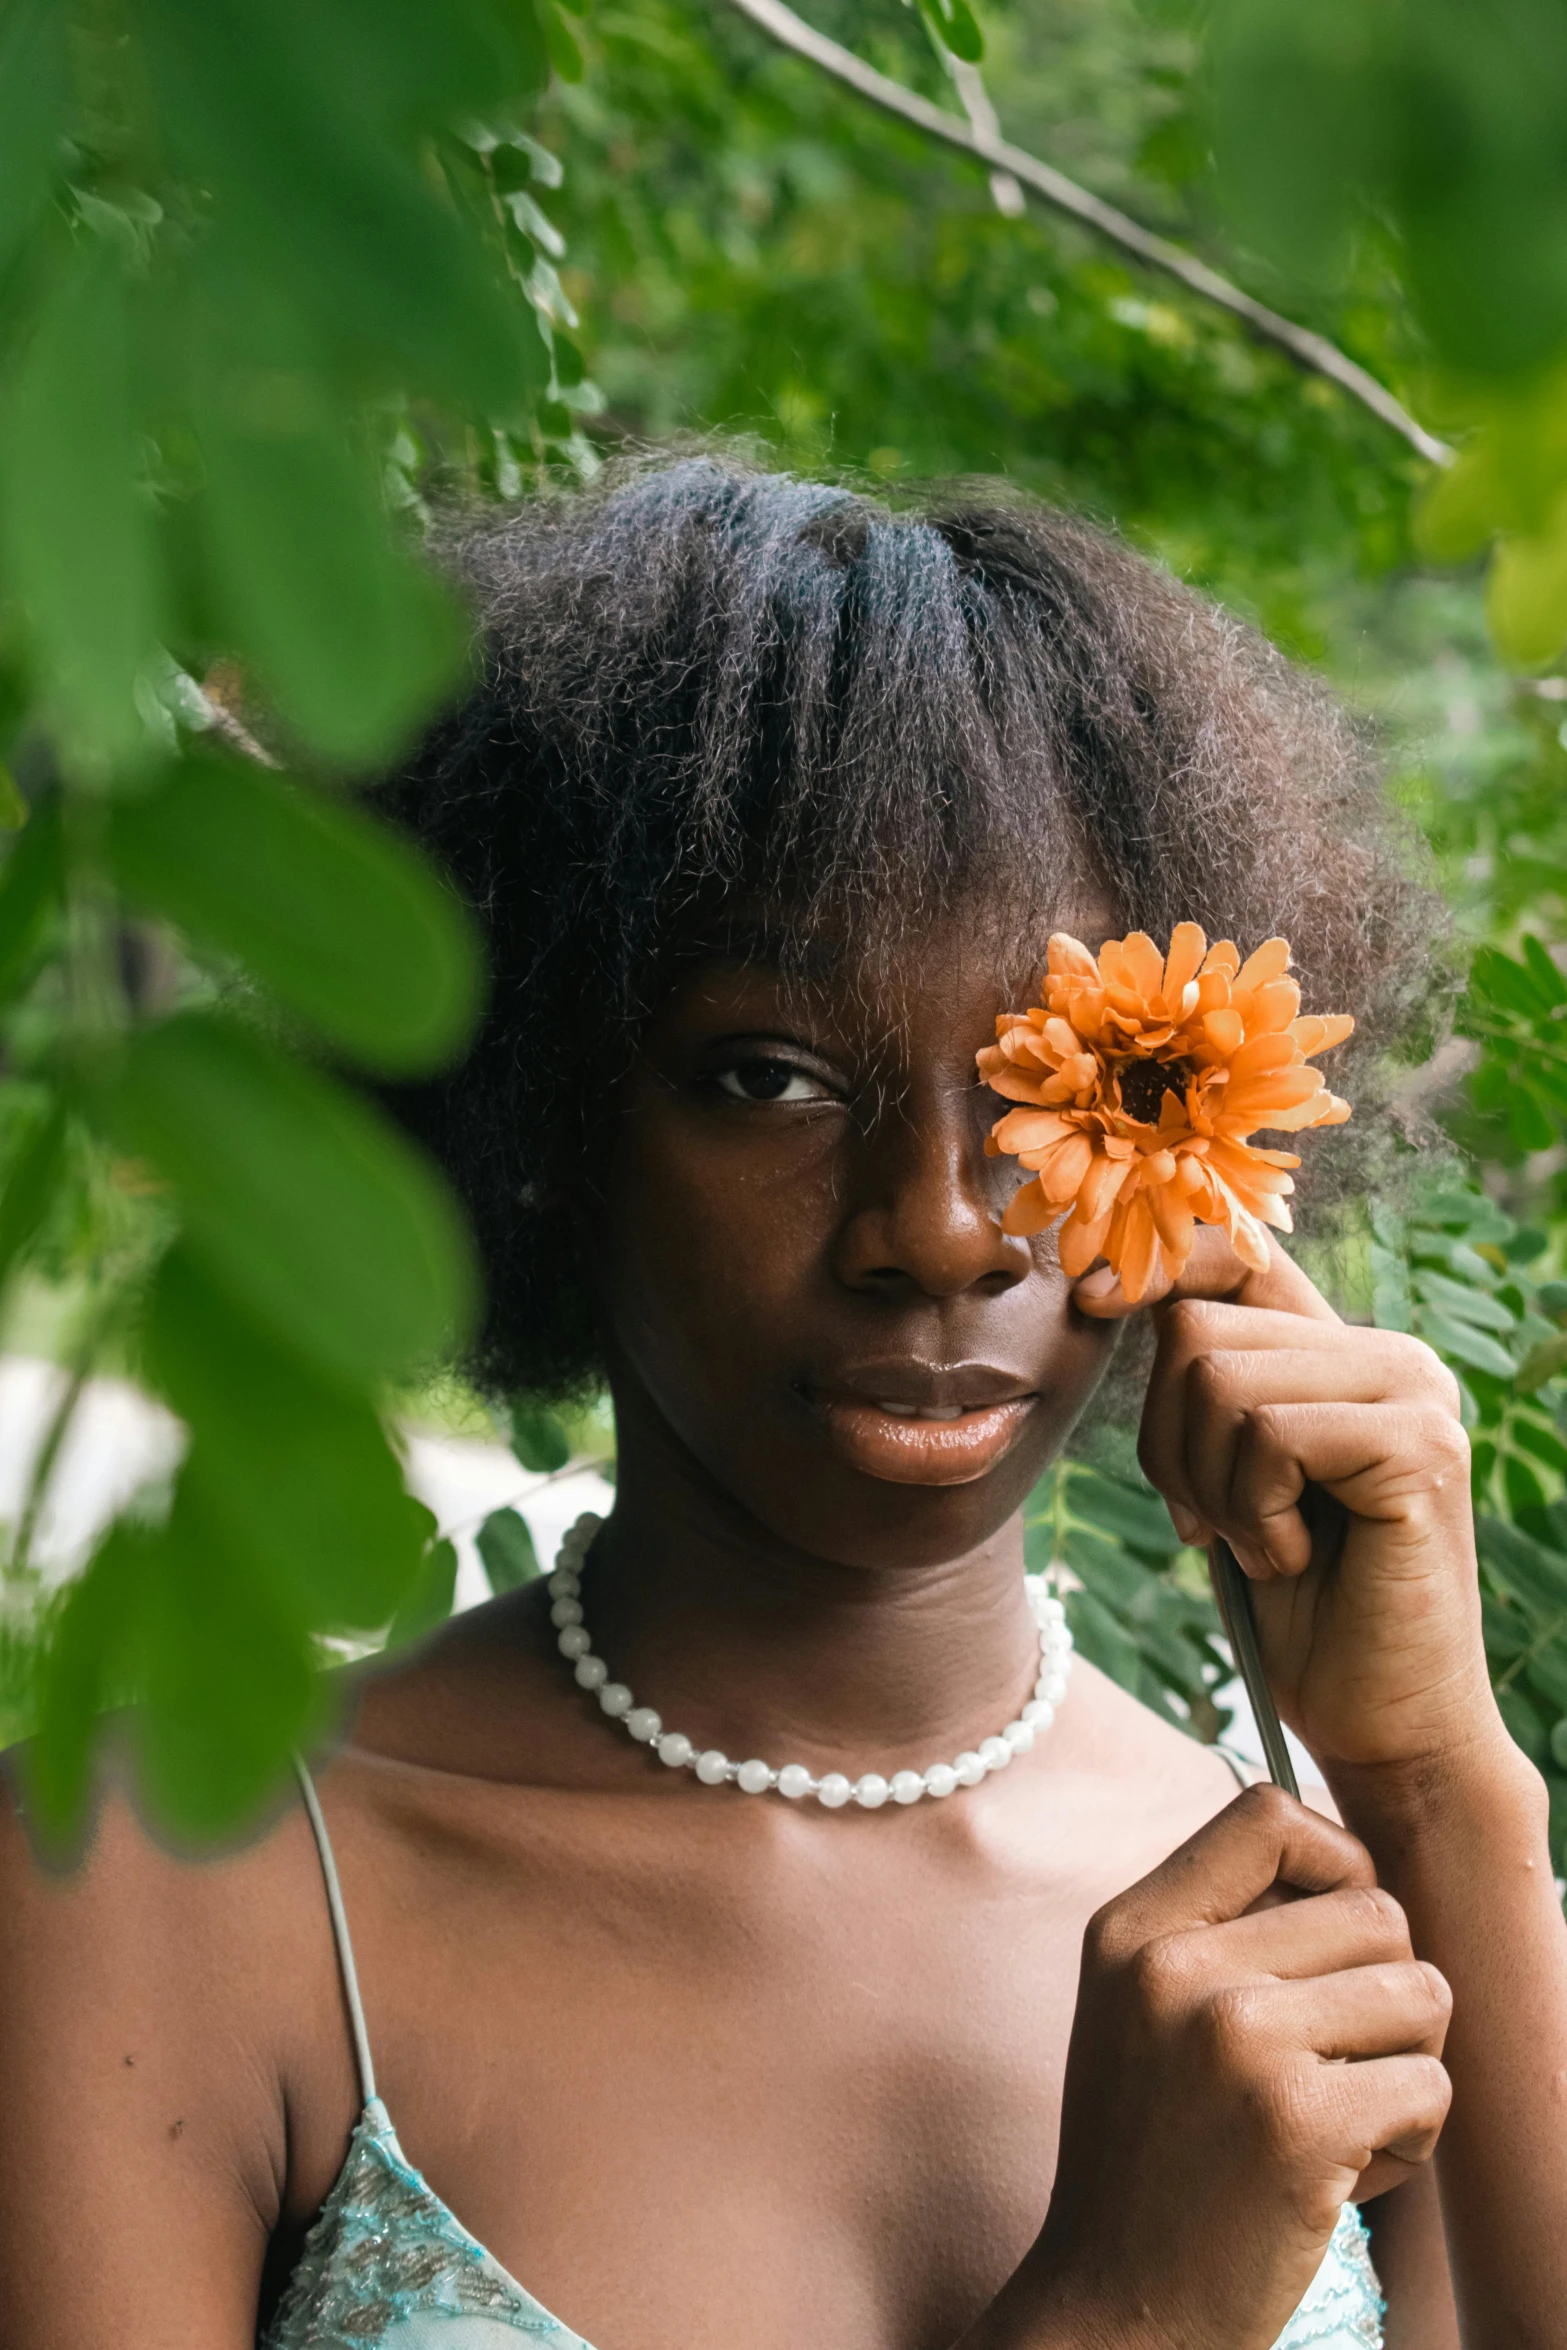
(266,282)
(1433,130)
(260,270)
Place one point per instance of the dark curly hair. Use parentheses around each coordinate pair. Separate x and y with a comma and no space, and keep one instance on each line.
(704,690)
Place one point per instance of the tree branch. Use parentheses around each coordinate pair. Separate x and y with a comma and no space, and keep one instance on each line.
(1311,351)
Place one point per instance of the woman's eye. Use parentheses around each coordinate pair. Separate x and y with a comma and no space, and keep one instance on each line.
(771,1081)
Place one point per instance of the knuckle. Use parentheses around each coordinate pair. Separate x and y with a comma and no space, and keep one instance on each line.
(1230,2026)
(1268,1807)
(1160,1973)
(1377,1916)
(1191,1322)
(1436,1990)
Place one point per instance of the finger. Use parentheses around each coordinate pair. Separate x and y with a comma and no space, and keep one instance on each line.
(1398,2009)
(1213,1270)
(1321,1934)
(1203,1387)
(1264,1838)
(1392,2105)
(1387,1462)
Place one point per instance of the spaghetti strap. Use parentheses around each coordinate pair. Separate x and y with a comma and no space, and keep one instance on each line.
(345,1948)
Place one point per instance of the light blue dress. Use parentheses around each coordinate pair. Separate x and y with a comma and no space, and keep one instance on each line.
(388,2267)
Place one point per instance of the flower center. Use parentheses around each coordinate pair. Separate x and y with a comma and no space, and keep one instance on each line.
(1144,1085)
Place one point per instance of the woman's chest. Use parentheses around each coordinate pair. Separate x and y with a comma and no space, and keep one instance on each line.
(687,2098)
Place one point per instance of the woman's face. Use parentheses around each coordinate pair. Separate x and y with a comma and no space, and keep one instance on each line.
(809,1294)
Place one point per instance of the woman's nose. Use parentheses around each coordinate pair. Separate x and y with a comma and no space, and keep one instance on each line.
(925,1211)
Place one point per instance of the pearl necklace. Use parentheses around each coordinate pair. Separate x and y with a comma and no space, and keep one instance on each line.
(794,1780)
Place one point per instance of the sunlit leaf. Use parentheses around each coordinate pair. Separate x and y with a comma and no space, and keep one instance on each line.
(328,909)
(298,1198)
(292,1474)
(506,1547)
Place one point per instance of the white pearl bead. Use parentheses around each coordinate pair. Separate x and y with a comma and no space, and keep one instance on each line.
(675,1749)
(994,1753)
(1054,1688)
(970,1768)
(834,1790)
(589,1519)
(1052,1610)
(794,1780)
(566,1611)
(940,1779)
(1019,1736)
(591,1672)
(753,1778)
(574,1641)
(643,1723)
(1038,1715)
(712,1767)
(564,1584)
(907,1786)
(870,1792)
(615,1698)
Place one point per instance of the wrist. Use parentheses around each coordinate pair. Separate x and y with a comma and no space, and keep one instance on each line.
(1480,1789)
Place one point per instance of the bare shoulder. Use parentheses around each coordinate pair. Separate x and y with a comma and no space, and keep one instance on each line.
(1142,1759)
(161,2003)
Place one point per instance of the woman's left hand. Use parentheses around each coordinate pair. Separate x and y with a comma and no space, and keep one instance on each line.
(1332,1459)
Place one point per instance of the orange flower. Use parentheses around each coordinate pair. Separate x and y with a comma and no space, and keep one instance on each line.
(1144,1077)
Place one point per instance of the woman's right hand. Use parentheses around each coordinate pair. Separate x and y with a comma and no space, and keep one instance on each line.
(1236,2074)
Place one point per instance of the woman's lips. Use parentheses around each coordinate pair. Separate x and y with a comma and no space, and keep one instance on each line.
(931,1445)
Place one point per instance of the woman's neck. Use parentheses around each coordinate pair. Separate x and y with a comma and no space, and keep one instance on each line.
(749,1644)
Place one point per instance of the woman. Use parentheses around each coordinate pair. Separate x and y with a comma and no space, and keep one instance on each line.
(768,799)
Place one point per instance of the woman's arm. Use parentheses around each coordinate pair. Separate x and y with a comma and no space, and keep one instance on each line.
(129,2214)
(1262,1403)
(1463,1846)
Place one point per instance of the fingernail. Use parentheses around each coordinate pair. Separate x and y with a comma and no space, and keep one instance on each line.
(1186,1523)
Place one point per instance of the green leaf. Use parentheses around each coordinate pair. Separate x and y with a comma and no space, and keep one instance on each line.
(1543,1362)
(1524,1723)
(35,93)
(299,1199)
(332,912)
(89,1661)
(1529,1122)
(952,21)
(1534,1574)
(77,526)
(355,641)
(1468,1305)
(291,1474)
(31,1185)
(1522,1487)
(1544,1443)
(13,808)
(1467,1344)
(30,891)
(506,1547)
(1559,1743)
(428,1603)
(537,1437)
(230,1689)
(1137,1517)
(301,117)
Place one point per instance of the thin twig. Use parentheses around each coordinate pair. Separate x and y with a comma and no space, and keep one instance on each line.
(1311,351)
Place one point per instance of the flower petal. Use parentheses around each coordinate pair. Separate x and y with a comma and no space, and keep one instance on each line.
(1030,1130)
(1271,961)
(1225,1031)
(1028,1211)
(1081,1242)
(1062,1172)
(1188,945)
(1067,955)
(1223,955)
